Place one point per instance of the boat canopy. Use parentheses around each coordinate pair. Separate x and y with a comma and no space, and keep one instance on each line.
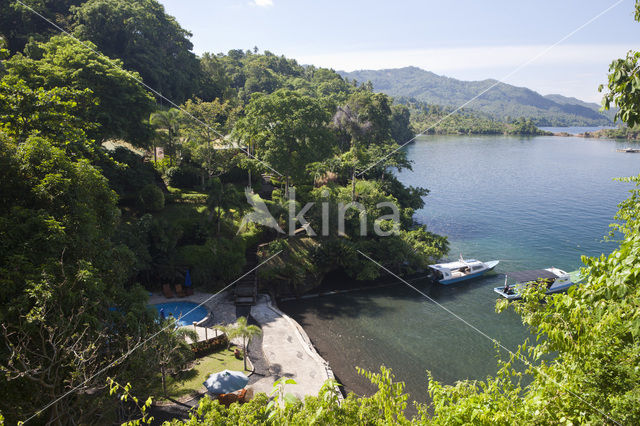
(455,265)
(533,275)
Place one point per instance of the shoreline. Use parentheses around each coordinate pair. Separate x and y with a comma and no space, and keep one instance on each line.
(328,349)
(288,352)
(327,342)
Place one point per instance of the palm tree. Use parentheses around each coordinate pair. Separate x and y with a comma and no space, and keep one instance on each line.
(354,130)
(246,332)
(172,349)
(167,122)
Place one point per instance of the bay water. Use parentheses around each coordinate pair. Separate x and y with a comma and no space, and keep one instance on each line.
(530,202)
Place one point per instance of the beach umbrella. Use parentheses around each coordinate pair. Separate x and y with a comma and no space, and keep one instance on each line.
(226,381)
(187,279)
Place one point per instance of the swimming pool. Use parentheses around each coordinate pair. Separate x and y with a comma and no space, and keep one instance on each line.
(184,312)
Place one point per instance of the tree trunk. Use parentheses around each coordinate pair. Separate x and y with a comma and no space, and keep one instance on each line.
(244,352)
(286,187)
(164,381)
(353,185)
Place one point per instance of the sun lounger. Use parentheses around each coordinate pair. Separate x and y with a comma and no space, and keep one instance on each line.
(166,291)
(227,399)
(180,291)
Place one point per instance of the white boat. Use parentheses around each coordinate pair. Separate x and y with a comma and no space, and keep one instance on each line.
(461,270)
(554,279)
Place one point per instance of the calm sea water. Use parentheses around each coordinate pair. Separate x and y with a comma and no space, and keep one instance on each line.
(529,202)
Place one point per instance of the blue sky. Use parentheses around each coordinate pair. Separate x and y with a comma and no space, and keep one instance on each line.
(466,39)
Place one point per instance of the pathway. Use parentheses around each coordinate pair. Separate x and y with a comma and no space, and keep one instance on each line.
(288,352)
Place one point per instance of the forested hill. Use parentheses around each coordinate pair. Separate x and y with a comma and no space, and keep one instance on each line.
(565,100)
(502,102)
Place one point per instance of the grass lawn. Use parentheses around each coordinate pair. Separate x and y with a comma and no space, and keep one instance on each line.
(189,382)
(185,195)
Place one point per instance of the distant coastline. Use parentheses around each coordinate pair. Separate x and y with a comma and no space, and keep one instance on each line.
(618,133)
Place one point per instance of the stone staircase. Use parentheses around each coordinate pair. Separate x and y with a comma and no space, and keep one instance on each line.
(246,290)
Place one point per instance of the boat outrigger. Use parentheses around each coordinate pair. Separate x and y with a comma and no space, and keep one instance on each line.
(453,272)
(554,279)
(629,150)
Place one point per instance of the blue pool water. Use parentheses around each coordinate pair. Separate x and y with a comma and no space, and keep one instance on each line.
(185,312)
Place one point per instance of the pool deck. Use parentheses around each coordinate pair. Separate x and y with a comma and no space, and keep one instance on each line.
(220,311)
(287,350)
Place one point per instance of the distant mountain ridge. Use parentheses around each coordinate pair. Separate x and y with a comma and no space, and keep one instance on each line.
(560,99)
(501,102)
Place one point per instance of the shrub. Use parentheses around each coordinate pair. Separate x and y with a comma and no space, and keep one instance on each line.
(127,172)
(218,260)
(151,198)
(184,176)
(210,346)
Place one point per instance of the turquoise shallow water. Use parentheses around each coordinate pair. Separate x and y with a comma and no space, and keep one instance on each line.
(529,202)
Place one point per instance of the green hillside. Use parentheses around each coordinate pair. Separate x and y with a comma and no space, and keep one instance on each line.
(502,102)
(565,100)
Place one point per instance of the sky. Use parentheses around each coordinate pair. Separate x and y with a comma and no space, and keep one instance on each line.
(559,46)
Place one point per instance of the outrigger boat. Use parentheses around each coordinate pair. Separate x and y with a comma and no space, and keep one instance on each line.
(555,279)
(461,270)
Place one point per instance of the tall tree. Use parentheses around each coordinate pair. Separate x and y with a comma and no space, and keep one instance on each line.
(623,87)
(221,197)
(60,273)
(168,123)
(146,39)
(121,105)
(19,24)
(288,130)
(245,331)
(208,123)
(172,349)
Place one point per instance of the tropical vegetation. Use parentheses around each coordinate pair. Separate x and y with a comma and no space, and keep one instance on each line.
(108,191)
(496,100)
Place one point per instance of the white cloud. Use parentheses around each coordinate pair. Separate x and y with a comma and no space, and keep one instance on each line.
(262,3)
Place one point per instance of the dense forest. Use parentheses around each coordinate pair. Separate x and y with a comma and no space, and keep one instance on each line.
(124,163)
(124,158)
(620,132)
(502,102)
(435,119)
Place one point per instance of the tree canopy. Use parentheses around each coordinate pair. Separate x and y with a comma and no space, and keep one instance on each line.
(146,39)
(120,105)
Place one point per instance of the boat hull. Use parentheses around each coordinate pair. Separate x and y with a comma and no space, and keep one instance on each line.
(490,265)
(575,279)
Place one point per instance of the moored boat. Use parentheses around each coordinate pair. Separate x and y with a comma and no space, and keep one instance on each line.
(555,280)
(461,270)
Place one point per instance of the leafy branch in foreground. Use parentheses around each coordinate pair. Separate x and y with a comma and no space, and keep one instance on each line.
(127,397)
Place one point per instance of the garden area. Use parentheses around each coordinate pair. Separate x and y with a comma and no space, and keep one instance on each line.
(188,382)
